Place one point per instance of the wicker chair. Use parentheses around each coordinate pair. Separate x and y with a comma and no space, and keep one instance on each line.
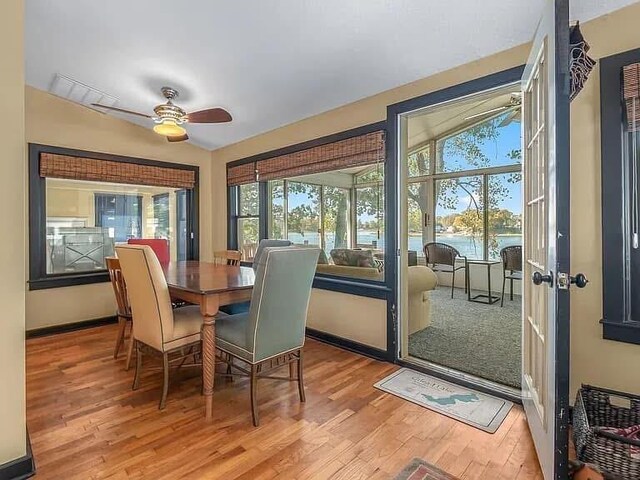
(511,268)
(442,258)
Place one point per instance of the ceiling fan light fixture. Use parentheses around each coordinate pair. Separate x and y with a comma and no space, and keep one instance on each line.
(169,128)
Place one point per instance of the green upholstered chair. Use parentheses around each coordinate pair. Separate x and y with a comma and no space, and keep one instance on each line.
(265,243)
(271,334)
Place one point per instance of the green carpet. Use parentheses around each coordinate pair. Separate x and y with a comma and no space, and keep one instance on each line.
(482,340)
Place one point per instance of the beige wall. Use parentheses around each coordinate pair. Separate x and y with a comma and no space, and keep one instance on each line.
(12,253)
(54,121)
(594,360)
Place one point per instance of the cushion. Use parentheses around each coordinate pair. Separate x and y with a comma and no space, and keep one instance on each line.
(353,258)
(187,324)
(231,335)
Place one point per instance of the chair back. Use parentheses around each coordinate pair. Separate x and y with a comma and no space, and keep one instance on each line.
(512,258)
(160,247)
(148,295)
(227,257)
(119,287)
(440,254)
(280,299)
(264,244)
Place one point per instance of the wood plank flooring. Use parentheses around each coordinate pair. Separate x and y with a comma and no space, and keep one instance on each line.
(85,422)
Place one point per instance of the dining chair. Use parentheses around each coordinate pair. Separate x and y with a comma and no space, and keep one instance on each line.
(227,257)
(265,243)
(160,247)
(442,258)
(511,268)
(124,309)
(271,335)
(157,327)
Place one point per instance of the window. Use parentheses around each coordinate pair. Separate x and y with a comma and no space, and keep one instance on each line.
(465,188)
(248,219)
(620,127)
(303,213)
(76,223)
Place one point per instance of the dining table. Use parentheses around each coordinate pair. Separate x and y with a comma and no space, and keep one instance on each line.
(209,285)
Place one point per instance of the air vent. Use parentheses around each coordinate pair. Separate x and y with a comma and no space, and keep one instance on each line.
(78,92)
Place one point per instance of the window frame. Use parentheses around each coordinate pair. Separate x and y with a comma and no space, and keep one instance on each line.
(615,326)
(39,279)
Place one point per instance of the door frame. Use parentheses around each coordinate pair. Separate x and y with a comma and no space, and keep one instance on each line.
(495,80)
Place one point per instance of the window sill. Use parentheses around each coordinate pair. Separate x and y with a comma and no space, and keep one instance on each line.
(68,280)
(352,286)
(627,332)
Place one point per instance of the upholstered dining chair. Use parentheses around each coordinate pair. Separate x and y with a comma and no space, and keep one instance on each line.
(265,243)
(157,328)
(442,258)
(511,268)
(227,257)
(271,335)
(123,308)
(160,247)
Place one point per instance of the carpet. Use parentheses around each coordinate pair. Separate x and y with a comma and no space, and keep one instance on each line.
(482,340)
(477,409)
(420,470)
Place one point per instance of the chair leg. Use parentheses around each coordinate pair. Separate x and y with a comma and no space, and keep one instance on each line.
(303,397)
(122,325)
(504,279)
(511,289)
(165,383)
(254,395)
(292,371)
(130,349)
(136,377)
(229,367)
(453,282)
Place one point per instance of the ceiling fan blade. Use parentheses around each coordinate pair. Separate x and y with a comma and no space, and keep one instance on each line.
(487,112)
(211,115)
(121,110)
(179,138)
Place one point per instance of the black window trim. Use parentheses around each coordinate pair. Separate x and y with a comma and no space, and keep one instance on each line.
(614,325)
(38,278)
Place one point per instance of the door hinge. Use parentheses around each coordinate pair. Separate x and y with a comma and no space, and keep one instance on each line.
(563,281)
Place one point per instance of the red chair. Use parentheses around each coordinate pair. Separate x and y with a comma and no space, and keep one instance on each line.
(160,246)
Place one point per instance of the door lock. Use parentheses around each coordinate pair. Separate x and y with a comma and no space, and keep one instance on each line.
(565,281)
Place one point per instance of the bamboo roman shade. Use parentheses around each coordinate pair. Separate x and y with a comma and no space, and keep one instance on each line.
(241,174)
(631,95)
(356,151)
(91,169)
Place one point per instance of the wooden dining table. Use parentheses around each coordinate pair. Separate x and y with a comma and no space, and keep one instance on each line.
(209,285)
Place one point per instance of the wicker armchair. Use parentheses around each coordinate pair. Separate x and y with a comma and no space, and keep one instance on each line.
(442,258)
(511,268)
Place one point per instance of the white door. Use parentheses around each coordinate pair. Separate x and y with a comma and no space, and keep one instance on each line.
(545,136)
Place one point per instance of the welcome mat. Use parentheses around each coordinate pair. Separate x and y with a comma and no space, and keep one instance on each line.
(420,470)
(479,410)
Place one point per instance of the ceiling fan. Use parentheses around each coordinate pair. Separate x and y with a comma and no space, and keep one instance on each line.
(513,107)
(169,117)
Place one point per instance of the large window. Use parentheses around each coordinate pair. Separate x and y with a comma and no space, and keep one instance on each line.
(248,219)
(464,188)
(76,222)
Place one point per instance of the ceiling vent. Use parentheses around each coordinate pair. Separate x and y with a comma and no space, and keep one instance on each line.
(77,92)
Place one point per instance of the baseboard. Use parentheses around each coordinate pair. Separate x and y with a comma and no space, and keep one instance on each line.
(70,327)
(20,468)
(347,344)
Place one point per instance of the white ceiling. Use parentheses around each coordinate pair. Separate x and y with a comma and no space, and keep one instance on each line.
(272,62)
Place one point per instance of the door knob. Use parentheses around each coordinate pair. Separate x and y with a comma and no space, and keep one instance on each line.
(579,280)
(538,278)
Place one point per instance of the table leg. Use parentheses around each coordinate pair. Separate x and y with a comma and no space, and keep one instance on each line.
(208,308)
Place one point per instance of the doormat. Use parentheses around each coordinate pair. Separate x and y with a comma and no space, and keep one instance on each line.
(420,470)
(479,410)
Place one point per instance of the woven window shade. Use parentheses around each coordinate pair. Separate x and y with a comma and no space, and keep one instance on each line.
(241,174)
(352,152)
(91,169)
(631,95)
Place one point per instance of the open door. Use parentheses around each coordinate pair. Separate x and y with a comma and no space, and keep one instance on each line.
(545,136)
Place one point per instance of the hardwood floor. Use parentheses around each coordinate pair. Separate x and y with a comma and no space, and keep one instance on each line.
(85,422)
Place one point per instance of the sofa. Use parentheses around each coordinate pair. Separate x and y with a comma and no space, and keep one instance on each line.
(421,280)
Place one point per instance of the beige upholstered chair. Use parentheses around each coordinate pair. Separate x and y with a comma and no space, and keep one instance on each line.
(157,328)
(421,280)
(271,334)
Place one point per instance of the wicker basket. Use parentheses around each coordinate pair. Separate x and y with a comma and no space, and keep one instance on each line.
(610,452)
